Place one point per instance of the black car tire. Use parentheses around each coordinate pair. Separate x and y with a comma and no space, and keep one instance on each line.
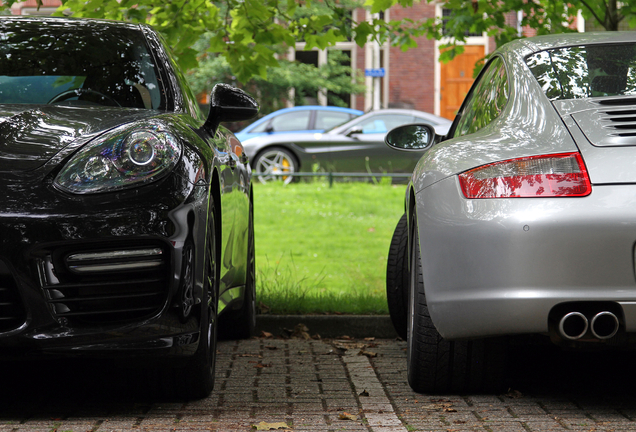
(397,277)
(195,379)
(275,156)
(438,366)
(240,323)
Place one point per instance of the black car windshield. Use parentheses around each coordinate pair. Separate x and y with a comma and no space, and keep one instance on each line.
(586,71)
(83,64)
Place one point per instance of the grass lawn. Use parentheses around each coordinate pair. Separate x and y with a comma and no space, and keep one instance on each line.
(322,249)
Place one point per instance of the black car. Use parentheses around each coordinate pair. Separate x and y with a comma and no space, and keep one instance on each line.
(126,217)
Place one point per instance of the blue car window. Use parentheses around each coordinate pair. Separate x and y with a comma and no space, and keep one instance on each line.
(260,128)
(291,121)
(328,119)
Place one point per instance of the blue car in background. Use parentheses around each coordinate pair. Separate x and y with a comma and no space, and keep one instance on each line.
(300,119)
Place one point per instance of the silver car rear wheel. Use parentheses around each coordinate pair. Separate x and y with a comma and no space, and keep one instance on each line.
(436,365)
(397,277)
(273,163)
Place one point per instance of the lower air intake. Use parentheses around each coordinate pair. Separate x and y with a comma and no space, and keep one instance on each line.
(12,312)
(91,287)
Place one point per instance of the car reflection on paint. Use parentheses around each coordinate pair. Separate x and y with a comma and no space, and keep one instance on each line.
(522,220)
(126,216)
(356,146)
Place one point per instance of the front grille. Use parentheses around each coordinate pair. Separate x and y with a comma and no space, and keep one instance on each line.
(105,286)
(12,312)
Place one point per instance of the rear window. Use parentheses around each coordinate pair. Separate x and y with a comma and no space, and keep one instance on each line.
(586,71)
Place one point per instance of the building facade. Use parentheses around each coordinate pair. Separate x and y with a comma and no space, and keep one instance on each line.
(412,79)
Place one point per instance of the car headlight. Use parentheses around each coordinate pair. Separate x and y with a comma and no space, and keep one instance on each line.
(122,158)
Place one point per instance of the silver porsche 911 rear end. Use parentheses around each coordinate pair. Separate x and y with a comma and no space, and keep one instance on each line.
(523,219)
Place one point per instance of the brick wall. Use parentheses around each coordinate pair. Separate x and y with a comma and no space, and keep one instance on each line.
(412,73)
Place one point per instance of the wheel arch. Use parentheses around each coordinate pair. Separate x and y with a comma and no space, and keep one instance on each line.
(215,197)
(410,212)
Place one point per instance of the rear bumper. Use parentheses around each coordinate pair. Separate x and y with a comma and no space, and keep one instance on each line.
(499,266)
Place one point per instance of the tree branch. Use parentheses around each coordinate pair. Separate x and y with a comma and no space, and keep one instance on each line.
(585,3)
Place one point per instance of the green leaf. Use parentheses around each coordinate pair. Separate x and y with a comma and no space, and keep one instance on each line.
(379,5)
(362,32)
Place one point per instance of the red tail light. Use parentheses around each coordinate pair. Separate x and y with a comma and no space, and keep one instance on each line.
(557,175)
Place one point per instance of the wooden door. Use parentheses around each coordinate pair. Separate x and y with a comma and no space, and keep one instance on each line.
(456,77)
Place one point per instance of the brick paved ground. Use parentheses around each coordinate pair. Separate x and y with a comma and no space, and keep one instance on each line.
(323,385)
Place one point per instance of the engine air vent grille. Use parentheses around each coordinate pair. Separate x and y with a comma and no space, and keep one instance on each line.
(621,101)
(613,123)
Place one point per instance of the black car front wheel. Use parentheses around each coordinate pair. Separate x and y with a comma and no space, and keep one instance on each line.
(436,365)
(195,379)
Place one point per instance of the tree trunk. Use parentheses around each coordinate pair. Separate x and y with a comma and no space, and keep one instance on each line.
(612,16)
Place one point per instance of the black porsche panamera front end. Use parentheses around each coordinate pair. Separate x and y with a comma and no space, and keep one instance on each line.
(101,273)
(119,202)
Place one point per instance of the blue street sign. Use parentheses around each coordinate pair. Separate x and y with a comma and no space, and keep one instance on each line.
(379,72)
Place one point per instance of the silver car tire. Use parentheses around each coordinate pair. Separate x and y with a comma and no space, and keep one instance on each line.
(397,277)
(438,366)
(275,161)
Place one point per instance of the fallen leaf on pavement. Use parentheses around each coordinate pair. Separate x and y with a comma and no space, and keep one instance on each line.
(266,335)
(349,345)
(347,416)
(301,331)
(514,394)
(270,426)
(446,406)
(367,353)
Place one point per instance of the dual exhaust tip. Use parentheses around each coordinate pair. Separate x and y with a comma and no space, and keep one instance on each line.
(575,325)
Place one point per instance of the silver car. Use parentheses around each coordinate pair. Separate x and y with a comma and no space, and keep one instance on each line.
(522,220)
(356,146)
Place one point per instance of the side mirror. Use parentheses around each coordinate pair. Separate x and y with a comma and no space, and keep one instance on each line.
(354,131)
(229,104)
(413,137)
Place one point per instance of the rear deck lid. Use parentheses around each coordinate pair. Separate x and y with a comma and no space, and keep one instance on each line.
(605,132)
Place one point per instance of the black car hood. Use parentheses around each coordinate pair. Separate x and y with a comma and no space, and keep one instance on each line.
(31,135)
